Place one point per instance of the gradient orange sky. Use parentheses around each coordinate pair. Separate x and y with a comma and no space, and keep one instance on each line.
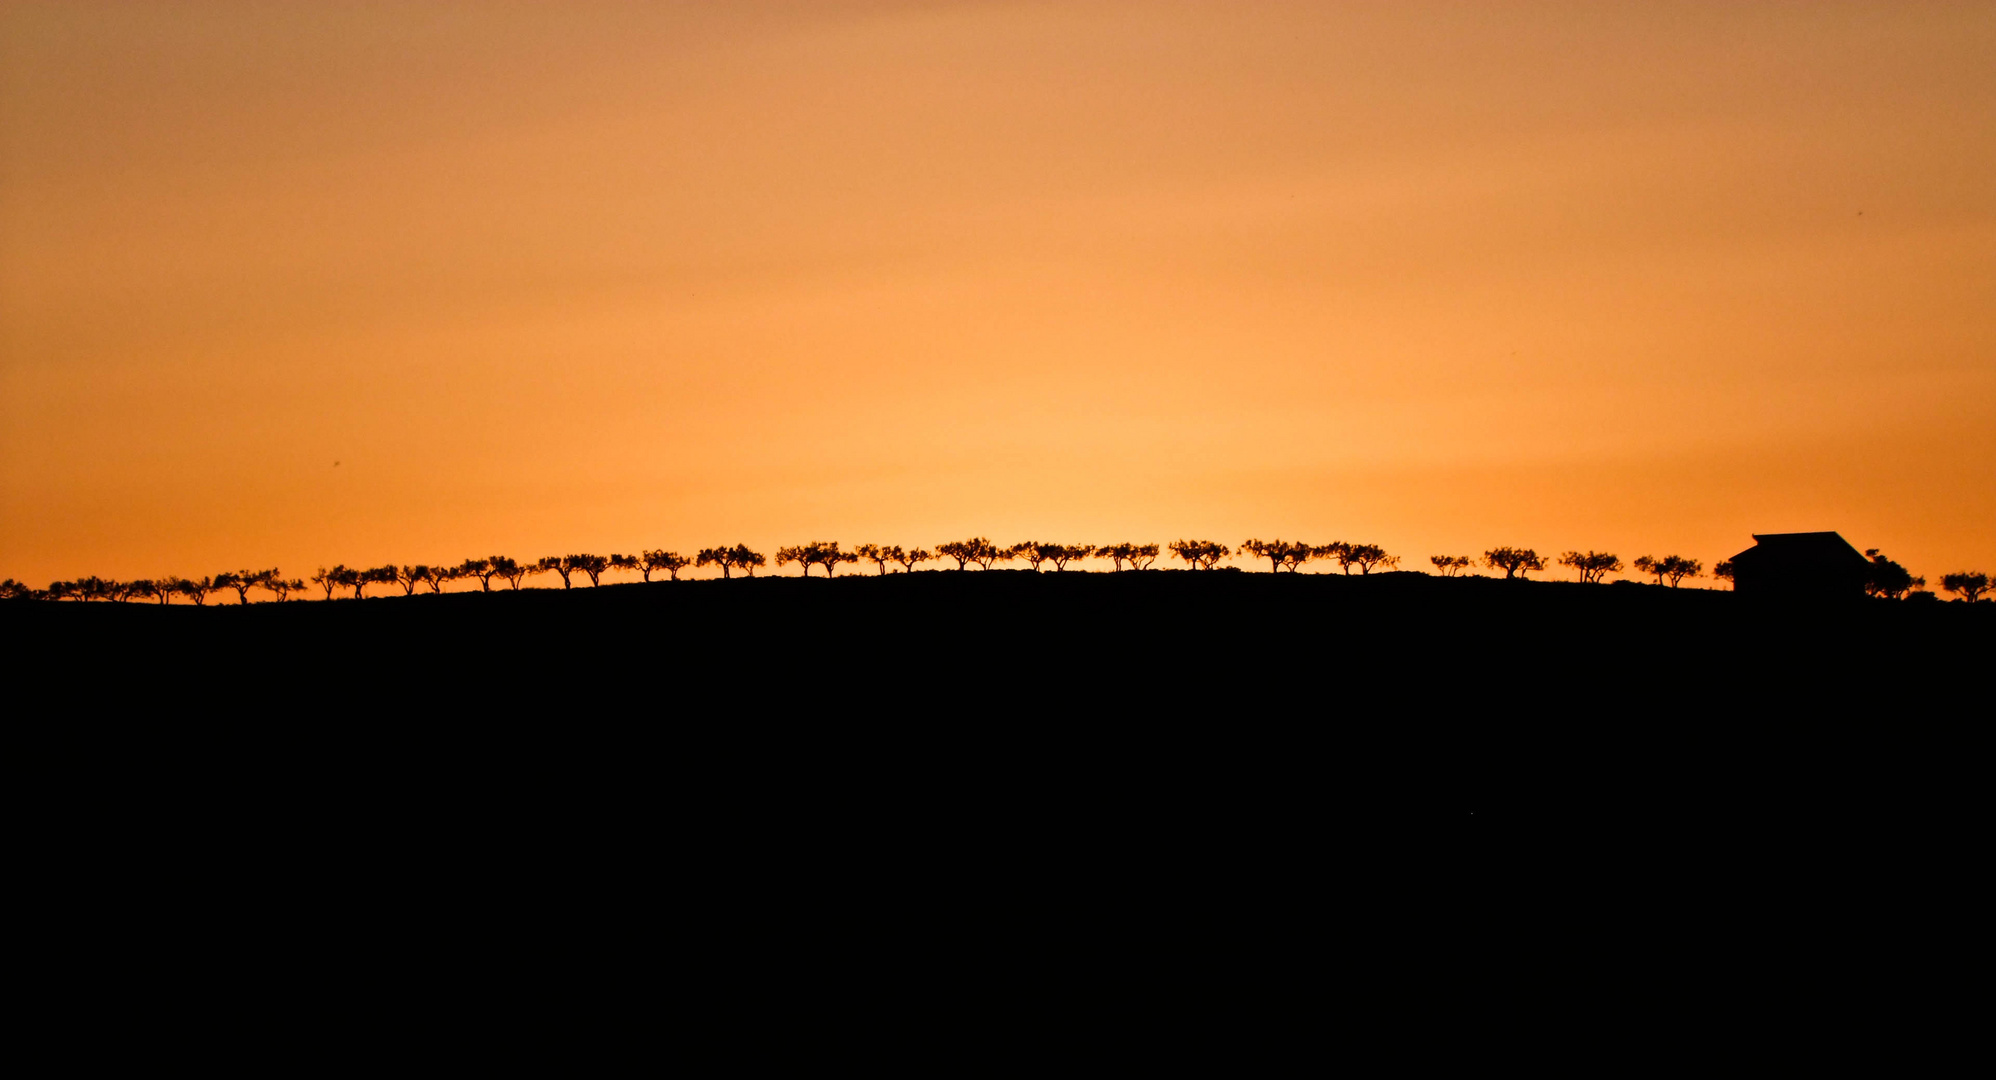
(543,278)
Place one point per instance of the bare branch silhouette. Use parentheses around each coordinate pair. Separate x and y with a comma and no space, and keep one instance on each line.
(1451,565)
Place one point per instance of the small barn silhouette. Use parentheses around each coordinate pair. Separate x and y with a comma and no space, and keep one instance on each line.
(1811,565)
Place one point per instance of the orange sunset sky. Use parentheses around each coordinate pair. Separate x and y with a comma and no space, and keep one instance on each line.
(545,278)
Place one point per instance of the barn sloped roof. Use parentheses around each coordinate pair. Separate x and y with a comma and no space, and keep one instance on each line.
(1819,548)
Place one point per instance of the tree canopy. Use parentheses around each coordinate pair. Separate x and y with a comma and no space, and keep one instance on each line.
(1592,566)
(1513,561)
(1888,578)
(1969,585)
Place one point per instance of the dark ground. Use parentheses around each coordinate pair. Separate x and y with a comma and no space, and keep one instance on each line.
(1002,769)
(1141,673)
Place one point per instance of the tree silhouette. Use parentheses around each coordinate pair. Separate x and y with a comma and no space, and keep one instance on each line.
(1969,585)
(827,555)
(909,558)
(323,579)
(877,555)
(1202,554)
(96,588)
(1142,555)
(745,560)
(233,580)
(669,561)
(1676,568)
(787,555)
(15,590)
(1671,568)
(1266,549)
(1282,555)
(1068,553)
(482,569)
(358,580)
(593,565)
(1888,578)
(714,557)
(1117,554)
(279,585)
(560,564)
(964,552)
(437,576)
(630,562)
(344,577)
(1363,556)
(1724,572)
(988,553)
(1034,552)
(409,577)
(509,571)
(1513,561)
(1451,565)
(195,589)
(1592,565)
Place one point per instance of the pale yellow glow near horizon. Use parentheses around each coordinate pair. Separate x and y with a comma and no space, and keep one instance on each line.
(1643,277)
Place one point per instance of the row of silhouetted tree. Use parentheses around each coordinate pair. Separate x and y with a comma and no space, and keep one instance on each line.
(1888,578)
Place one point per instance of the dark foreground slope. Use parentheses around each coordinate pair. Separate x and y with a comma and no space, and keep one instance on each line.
(954,724)
(1258,686)
(948,650)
